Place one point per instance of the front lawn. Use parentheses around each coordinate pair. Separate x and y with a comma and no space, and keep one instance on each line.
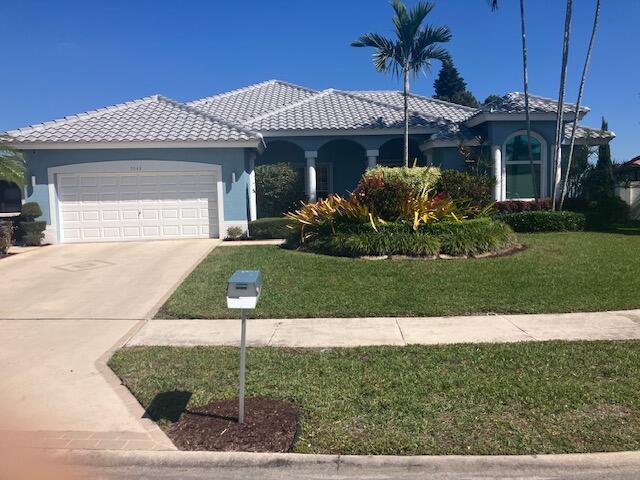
(526,398)
(560,272)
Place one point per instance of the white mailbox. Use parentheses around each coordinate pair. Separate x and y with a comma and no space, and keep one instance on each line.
(243,289)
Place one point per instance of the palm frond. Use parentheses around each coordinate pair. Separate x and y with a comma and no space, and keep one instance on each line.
(385,50)
(493,4)
(12,165)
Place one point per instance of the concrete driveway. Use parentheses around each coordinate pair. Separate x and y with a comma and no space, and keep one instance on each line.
(127,280)
(64,310)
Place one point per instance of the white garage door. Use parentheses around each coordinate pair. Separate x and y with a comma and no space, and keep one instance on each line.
(139,206)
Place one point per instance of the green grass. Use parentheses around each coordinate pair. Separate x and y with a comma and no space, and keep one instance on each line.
(559,272)
(526,398)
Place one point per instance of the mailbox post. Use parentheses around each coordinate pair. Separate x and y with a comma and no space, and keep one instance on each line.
(243,291)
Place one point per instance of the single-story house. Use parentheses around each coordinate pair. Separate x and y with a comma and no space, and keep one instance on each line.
(155,168)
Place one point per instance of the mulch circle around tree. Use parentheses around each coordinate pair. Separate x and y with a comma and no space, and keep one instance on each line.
(269,426)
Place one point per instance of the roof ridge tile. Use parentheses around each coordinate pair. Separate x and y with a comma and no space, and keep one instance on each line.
(289,106)
(249,88)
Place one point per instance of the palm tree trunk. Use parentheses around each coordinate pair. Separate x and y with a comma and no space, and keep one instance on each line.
(585,68)
(406,117)
(560,114)
(525,78)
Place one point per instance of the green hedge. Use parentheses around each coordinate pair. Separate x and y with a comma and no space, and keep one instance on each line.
(541,221)
(467,238)
(6,235)
(268,228)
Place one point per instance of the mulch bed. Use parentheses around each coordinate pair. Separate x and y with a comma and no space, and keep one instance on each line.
(269,426)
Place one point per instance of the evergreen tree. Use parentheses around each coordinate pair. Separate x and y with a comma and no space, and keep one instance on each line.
(602,184)
(491,99)
(451,87)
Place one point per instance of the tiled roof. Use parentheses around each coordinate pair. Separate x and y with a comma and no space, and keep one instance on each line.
(514,103)
(633,163)
(337,110)
(425,105)
(149,119)
(248,102)
(587,133)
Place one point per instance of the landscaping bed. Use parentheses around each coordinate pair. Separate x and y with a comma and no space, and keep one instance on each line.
(558,272)
(520,398)
(269,426)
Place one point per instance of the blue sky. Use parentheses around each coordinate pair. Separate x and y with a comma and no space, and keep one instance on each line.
(65,57)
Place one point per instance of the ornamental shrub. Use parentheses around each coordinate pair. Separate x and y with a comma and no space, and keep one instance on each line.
(465,188)
(6,236)
(279,189)
(417,179)
(32,233)
(270,227)
(514,206)
(30,211)
(542,221)
(382,195)
(607,211)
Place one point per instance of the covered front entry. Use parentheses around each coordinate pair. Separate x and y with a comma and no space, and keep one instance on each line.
(141,204)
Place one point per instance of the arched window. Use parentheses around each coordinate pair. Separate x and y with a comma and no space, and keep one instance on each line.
(521,181)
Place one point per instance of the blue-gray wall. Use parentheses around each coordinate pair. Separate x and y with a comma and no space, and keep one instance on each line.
(232,161)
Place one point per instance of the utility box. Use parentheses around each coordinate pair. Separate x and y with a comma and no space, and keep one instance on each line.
(243,289)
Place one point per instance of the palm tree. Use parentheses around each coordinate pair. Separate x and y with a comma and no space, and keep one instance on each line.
(560,114)
(585,68)
(410,52)
(12,165)
(525,81)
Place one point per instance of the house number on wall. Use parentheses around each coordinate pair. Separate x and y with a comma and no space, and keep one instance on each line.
(135,169)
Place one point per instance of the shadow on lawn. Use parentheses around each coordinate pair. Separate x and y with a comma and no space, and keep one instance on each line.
(630,228)
(168,406)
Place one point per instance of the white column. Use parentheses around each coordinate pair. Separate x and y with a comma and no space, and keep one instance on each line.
(429,156)
(496,156)
(372,158)
(311,176)
(253,205)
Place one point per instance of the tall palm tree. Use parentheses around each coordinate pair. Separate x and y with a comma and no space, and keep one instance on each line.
(410,52)
(525,81)
(557,161)
(585,68)
(12,165)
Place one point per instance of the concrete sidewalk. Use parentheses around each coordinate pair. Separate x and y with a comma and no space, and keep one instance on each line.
(349,332)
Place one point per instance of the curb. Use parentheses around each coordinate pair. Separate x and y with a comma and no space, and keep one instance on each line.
(456,463)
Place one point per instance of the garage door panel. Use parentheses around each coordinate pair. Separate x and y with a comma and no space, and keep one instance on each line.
(112,207)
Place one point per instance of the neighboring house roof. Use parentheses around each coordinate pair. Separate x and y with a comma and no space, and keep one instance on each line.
(338,110)
(631,164)
(514,103)
(249,102)
(425,105)
(149,119)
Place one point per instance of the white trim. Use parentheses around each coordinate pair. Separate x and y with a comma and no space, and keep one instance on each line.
(501,116)
(373,153)
(542,162)
(310,154)
(118,145)
(125,166)
(345,132)
(251,187)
